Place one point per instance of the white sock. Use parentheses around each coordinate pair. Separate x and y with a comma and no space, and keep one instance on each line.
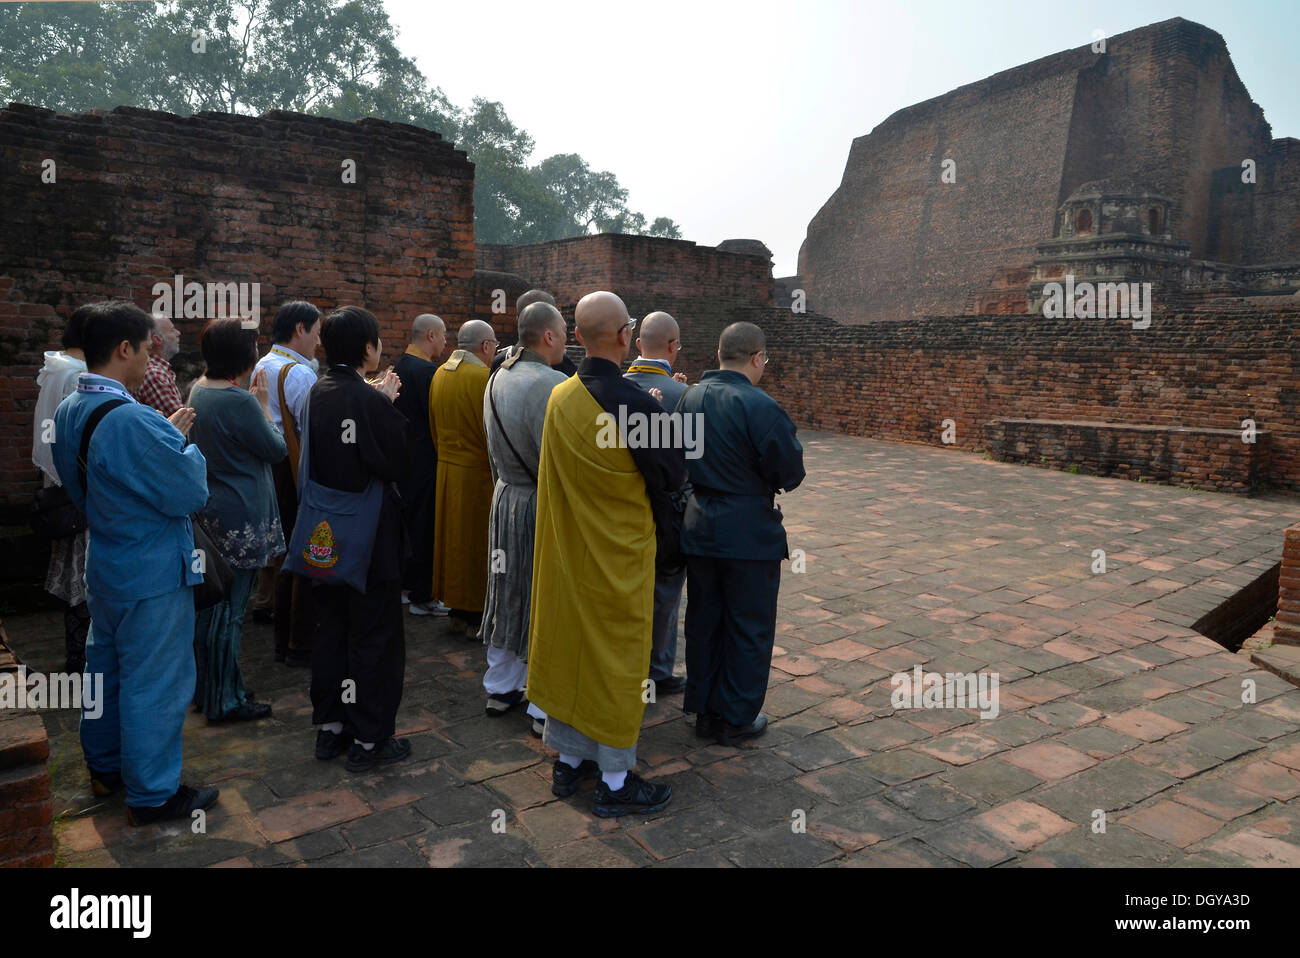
(571,760)
(334,727)
(613,780)
(368,746)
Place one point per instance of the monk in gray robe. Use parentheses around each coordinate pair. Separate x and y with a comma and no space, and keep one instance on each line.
(514,410)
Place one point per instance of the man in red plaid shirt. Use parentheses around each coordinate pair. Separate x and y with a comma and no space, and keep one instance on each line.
(159,387)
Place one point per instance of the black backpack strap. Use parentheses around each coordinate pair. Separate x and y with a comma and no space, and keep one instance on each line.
(102,410)
(505,435)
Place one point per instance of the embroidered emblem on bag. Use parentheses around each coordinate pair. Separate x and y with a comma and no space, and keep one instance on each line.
(320,551)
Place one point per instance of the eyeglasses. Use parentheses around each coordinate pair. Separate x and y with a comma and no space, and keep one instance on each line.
(628,325)
(766,359)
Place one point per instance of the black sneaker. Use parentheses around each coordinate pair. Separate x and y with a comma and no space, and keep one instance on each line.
(385,753)
(636,797)
(730,734)
(708,725)
(499,704)
(183,804)
(330,745)
(565,779)
(104,784)
(250,711)
(669,686)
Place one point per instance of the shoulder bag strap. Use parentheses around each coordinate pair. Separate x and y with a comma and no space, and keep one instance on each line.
(291,440)
(102,410)
(505,435)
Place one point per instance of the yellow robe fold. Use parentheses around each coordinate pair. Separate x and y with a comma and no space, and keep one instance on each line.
(464,492)
(593,577)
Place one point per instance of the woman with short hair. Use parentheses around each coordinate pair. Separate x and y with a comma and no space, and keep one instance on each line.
(232,428)
(356,440)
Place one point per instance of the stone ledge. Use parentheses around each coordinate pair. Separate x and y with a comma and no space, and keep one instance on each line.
(1202,458)
(1282,660)
(26,806)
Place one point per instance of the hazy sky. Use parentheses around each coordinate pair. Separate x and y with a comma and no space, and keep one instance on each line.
(735,118)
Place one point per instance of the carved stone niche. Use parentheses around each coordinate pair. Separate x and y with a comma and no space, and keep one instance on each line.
(1113,206)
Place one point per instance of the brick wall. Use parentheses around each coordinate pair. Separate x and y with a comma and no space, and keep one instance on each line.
(1162,105)
(701,286)
(140,196)
(1209,369)
(1258,222)
(1216,460)
(1286,627)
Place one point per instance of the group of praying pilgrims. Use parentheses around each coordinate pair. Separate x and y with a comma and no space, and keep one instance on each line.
(552,546)
(481,487)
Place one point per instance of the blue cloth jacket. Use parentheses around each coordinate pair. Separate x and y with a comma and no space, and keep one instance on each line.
(749,454)
(670,387)
(143,482)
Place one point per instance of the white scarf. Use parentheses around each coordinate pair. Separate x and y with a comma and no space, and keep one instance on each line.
(57,380)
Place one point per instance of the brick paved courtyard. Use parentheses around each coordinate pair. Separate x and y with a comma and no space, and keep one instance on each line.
(914,555)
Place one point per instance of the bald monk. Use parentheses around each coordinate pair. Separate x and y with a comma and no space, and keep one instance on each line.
(514,411)
(658,341)
(564,364)
(464,491)
(416,368)
(594,569)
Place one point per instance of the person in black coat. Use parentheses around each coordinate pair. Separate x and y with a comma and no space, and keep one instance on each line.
(359,656)
(566,365)
(733,537)
(415,369)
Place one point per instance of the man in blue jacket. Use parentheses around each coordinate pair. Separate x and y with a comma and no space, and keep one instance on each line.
(141,482)
(733,538)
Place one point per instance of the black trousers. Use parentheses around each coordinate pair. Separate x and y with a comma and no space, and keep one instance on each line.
(295,614)
(730,630)
(417,514)
(360,638)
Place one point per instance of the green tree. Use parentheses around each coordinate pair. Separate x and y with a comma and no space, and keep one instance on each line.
(336,58)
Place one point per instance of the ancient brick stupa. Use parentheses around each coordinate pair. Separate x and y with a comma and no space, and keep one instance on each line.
(1150,151)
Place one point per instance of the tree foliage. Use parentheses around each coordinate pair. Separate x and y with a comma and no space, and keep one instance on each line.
(336,58)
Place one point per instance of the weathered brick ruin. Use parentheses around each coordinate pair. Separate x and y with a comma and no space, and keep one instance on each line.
(1123,166)
(1161,107)
(140,196)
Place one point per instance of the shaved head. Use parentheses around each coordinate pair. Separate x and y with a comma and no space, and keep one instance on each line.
(424,323)
(535,320)
(599,317)
(530,297)
(658,331)
(474,334)
(739,342)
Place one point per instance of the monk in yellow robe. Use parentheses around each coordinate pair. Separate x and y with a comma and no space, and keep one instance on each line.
(463,500)
(592,602)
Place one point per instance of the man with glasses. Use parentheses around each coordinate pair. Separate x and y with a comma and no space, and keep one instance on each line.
(733,538)
(658,342)
(464,486)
